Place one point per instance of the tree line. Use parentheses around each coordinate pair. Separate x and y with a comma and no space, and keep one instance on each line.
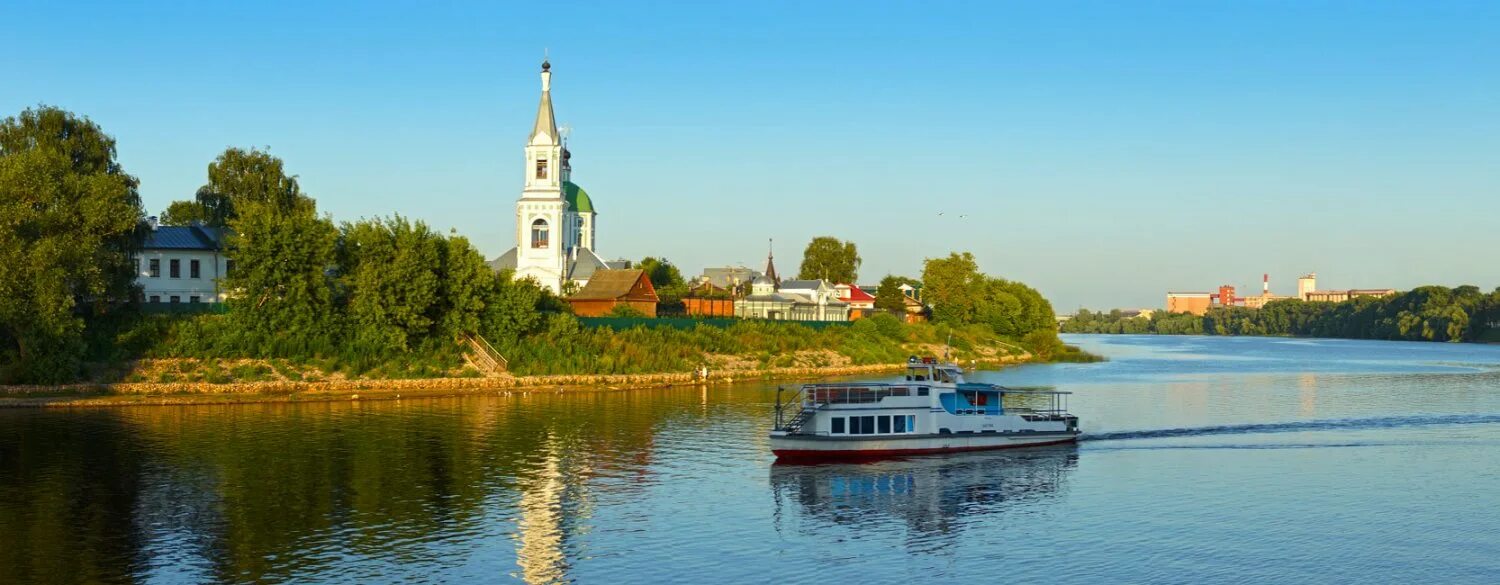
(72,223)
(1428,313)
(365,294)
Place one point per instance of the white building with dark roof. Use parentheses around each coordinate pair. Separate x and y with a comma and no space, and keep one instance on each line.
(791,300)
(555,218)
(182,265)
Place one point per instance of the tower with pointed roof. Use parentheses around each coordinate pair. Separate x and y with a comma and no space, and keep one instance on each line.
(771,263)
(555,218)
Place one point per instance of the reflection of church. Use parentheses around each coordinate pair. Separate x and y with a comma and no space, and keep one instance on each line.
(555,218)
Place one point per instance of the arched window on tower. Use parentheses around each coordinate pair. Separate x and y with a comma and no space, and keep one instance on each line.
(539,233)
(578,232)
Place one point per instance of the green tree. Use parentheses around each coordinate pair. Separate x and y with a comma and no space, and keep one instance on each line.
(662,272)
(960,295)
(389,269)
(184,213)
(240,176)
(830,259)
(624,310)
(952,286)
(281,293)
(465,287)
(70,224)
(888,296)
(514,308)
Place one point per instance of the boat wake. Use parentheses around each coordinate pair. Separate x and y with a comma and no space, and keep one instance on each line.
(1300,426)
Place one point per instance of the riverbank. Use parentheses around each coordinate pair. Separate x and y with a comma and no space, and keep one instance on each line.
(186,393)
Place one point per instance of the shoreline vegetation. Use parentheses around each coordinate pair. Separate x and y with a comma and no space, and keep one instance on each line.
(183,393)
(178,381)
(1427,313)
(314,307)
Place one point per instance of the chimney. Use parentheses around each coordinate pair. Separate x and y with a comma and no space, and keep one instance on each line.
(1265,284)
(151,221)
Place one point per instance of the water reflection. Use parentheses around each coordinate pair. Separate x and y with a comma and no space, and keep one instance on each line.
(672,484)
(932,496)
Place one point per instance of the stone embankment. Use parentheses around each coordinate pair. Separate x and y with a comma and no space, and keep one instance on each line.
(168,393)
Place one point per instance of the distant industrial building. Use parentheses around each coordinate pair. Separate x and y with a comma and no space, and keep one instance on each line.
(1339,296)
(1198,303)
(1307,290)
(1257,302)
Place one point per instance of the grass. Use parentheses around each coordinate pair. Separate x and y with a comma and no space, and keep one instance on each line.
(199,348)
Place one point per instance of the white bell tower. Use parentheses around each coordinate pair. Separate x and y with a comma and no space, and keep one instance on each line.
(541,244)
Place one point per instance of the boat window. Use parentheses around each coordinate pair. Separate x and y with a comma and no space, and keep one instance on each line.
(941,376)
(838,425)
(866,425)
(911,423)
(899,424)
(922,391)
(885,425)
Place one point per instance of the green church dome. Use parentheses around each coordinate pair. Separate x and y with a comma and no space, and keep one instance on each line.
(578,199)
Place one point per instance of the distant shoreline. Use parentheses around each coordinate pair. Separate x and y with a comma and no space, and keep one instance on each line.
(200,393)
(1486,341)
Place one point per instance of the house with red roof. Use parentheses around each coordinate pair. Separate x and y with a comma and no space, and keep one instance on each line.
(861,303)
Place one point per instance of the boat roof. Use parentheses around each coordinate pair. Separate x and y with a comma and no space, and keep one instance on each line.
(983,386)
(963,386)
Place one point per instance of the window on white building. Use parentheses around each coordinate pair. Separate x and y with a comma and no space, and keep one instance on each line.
(193,300)
(175,268)
(539,233)
(175,299)
(155,299)
(541,168)
(193,269)
(156,268)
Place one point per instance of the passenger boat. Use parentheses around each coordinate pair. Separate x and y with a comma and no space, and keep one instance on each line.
(932,411)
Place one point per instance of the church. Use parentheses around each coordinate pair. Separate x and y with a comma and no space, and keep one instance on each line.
(555,219)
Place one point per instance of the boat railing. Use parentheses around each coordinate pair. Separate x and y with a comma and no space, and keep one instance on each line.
(791,410)
(814,395)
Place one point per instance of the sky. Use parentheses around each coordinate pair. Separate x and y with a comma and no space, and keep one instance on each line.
(1103,152)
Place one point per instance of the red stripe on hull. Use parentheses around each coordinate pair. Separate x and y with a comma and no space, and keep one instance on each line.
(813,454)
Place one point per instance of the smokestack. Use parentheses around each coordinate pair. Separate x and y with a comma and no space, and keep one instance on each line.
(1265,283)
(151,221)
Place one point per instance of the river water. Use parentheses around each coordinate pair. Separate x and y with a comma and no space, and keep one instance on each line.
(1206,459)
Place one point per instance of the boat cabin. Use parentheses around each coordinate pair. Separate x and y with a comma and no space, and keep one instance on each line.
(928,369)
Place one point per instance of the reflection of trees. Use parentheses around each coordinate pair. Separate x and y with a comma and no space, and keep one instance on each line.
(306,487)
(933,496)
(274,492)
(67,496)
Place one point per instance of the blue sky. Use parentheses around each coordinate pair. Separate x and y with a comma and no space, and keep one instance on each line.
(1104,152)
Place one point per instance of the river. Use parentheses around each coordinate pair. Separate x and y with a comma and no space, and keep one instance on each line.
(1205,459)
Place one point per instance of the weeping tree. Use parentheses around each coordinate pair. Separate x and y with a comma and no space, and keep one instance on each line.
(70,224)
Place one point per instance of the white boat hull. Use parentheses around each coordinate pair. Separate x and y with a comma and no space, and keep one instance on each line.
(791,446)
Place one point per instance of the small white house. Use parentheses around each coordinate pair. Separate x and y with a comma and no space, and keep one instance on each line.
(182,265)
